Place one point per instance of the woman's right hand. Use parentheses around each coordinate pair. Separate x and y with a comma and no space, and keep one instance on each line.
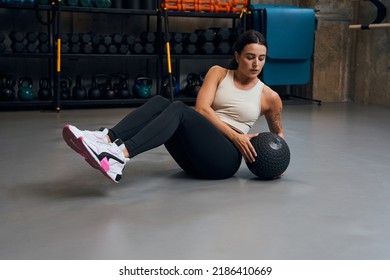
(243,144)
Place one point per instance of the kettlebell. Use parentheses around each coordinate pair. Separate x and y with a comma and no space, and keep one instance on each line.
(44,92)
(108,91)
(120,86)
(26,91)
(166,88)
(94,92)
(202,76)
(142,87)
(65,87)
(7,91)
(124,91)
(194,83)
(79,92)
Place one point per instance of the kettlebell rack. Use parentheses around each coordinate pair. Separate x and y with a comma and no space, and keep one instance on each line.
(66,52)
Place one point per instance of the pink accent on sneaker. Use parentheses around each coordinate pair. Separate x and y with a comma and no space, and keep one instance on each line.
(105,164)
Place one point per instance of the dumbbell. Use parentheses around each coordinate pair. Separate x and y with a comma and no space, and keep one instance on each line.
(2,37)
(43,37)
(119,46)
(123,49)
(74,48)
(43,45)
(2,45)
(32,37)
(177,48)
(64,48)
(128,40)
(100,49)
(221,6)
(64,38)
(74,38)
(74,43)
(85,45)
(17,47)
(148,37)
(85,38)
(106,40)
(17,36)
(86,48)
(149,48)
(223,48)
(206,35)
(190,49)
(176,37)
(95,38)
(190,38)
(117,38)
(97,46)
(223,34)
(207,48)
(138,47)
(112,49)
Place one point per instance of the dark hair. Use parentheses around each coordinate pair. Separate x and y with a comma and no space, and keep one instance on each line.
(248,37)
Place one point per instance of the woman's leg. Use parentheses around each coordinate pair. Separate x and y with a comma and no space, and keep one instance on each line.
(131,124)
(202,150)
(196,144)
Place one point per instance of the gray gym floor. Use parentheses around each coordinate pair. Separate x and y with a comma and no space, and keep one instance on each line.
(332,202)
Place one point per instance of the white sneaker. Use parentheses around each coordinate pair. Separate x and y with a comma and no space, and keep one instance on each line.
(107,157)
(72,133)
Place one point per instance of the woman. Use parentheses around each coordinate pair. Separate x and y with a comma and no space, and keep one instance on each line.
(208,142)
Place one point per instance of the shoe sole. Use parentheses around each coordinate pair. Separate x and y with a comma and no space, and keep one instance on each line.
(78,145)
(70,138)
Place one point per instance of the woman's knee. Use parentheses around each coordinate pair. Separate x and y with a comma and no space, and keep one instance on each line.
(158,99)
(178,104)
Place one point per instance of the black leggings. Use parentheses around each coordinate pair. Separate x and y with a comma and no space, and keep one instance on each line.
(197,146)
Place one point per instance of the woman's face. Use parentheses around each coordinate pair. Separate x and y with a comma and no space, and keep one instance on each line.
(251,60)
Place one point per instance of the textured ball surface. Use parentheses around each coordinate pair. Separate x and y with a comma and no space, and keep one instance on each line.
(273,156)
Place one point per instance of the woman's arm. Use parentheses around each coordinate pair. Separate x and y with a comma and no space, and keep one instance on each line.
(271,108)
(203,104)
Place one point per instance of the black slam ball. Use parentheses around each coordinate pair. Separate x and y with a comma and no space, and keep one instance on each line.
(273,156)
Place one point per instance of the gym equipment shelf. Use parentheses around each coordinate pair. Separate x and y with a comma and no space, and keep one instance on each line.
(199,56)
(36,57)
(54,57)
(55,10)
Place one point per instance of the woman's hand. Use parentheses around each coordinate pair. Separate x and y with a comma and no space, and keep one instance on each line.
(243,144)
